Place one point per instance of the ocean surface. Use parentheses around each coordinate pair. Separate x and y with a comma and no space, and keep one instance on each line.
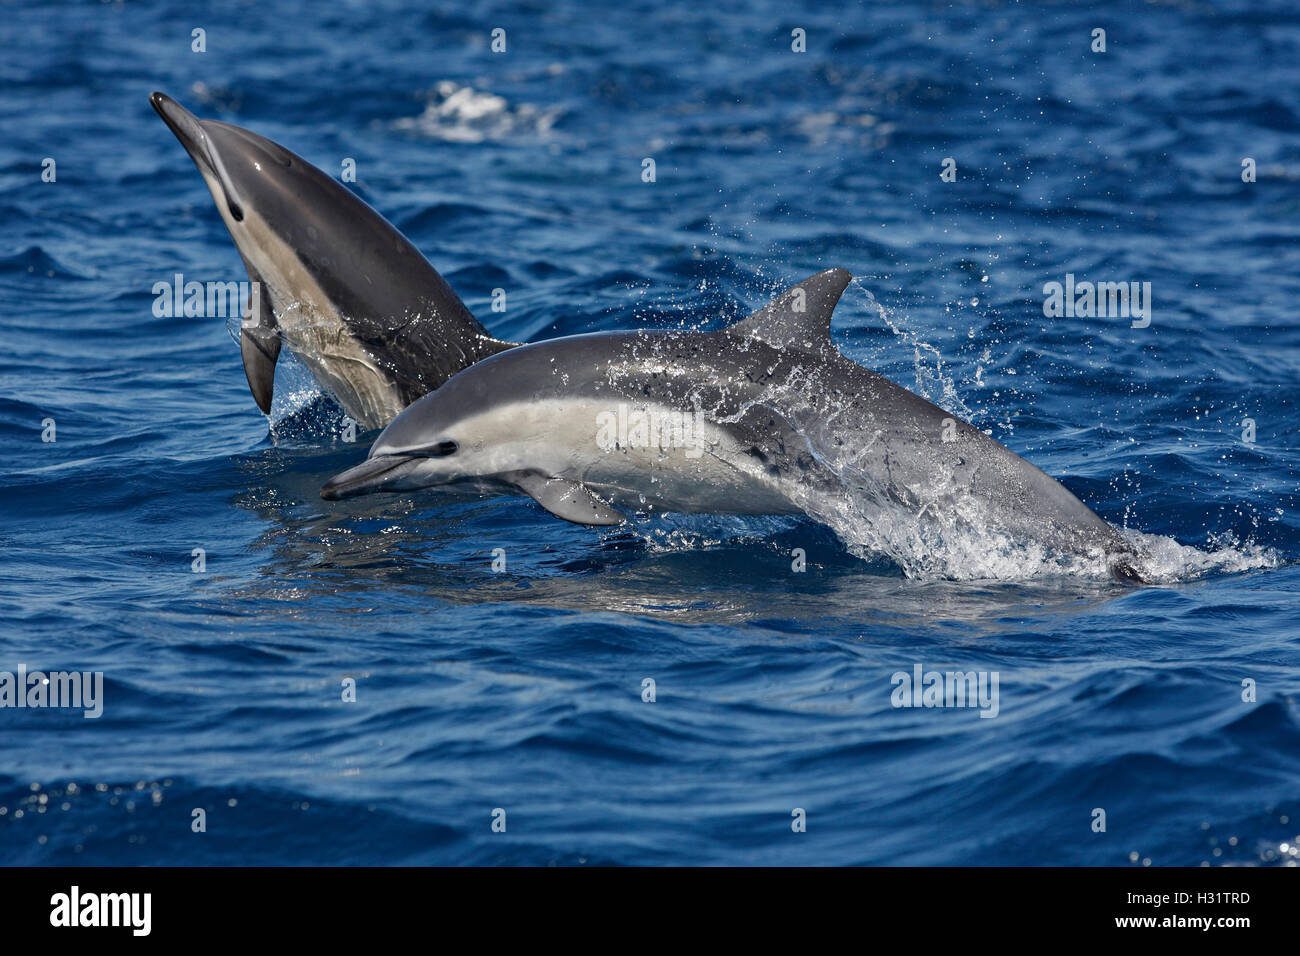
(516,695)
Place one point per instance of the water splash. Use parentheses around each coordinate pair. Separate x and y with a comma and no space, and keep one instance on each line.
(932,380)
(462,114)
(302,413)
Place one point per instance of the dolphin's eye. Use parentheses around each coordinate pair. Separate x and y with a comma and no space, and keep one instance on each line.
(443,449)
(235,211)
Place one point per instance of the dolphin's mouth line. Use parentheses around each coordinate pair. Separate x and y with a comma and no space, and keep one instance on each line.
(368,477)
(187,128)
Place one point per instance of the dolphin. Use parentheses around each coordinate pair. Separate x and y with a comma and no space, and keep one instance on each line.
(763,417)
(354,300)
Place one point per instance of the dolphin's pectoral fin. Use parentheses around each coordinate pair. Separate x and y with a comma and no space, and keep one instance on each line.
(260,347)
(800,316)
(570,500)
(259,339)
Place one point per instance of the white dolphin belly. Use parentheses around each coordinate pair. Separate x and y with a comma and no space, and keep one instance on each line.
(639,457)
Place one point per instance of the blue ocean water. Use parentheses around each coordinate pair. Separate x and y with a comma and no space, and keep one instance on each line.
(522,690)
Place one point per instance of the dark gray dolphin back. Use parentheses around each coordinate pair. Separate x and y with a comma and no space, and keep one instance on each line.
(923,440)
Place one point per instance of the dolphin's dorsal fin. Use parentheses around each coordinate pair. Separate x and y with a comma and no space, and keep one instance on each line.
(570,500)
(799,317)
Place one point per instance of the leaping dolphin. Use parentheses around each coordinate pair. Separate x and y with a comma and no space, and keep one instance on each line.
(353,299)
(763,417)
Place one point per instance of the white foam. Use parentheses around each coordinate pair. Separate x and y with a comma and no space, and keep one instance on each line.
(462,114)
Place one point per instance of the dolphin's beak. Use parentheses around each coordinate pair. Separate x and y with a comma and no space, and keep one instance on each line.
(197,140)
(187,129)
(372,475)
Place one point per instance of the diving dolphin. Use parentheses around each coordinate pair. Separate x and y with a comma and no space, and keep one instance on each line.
(353,299)
(763,417)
